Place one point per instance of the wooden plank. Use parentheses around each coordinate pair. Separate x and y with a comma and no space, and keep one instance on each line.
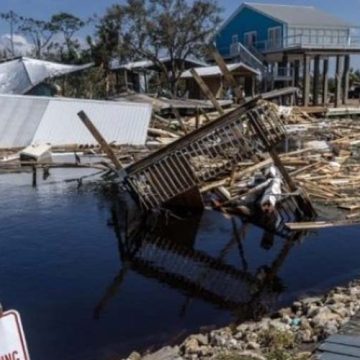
(313,225)
(344,340)
(340,349)
(207,92)
(229,78)
(100,139)
(179,119)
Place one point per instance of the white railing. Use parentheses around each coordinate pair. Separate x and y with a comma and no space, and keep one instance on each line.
(306,41)
(246,56)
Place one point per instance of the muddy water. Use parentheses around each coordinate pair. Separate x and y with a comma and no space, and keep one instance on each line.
(89,287)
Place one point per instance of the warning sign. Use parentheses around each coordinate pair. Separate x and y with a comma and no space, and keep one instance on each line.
(12,340)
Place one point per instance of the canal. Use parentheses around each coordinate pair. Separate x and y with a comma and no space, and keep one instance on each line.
(89,285)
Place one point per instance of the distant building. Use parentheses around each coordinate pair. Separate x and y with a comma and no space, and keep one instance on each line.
(285,41)
(24,75)
(135,76)
(214,79)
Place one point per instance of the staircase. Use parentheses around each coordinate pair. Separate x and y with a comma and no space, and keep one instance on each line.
(251,57)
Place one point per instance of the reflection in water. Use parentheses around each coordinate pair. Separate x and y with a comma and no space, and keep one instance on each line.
(162,247)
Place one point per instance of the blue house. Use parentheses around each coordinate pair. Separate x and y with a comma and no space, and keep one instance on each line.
(281,40)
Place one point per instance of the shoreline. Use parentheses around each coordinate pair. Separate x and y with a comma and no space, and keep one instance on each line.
(291,333)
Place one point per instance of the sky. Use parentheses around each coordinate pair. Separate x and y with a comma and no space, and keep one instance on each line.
(43,9)
(348,9)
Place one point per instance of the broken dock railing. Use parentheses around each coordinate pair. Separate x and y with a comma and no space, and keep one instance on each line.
(205,154)
(173,174)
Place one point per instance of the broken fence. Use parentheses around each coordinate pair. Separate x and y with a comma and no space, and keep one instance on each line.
(205,154)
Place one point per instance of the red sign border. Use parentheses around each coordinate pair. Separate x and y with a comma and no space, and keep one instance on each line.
(20,330)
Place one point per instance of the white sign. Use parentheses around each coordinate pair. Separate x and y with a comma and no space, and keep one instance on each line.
(12,339)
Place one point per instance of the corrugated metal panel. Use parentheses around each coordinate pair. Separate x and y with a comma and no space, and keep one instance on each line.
(39,70)
(13,78)
(19,119)
(18,76)
(143,64)
(122,123)
(28,119)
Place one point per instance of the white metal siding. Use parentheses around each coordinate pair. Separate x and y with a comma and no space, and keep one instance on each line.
(19,119)
(122,123)
(25,120)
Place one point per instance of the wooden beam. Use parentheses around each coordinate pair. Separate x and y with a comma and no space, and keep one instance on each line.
(207,92)
(179,119)
(346,79)
(316,81)
(100,139)
(229,78)
(313,225)
(338,79)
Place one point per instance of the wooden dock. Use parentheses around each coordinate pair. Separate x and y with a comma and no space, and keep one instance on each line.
(342,346)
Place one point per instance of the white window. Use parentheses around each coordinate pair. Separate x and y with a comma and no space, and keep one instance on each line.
(250,38)
(235,39)
(274,37)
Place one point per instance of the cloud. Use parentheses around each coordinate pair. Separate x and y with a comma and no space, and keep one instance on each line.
(21,44)
(23,47)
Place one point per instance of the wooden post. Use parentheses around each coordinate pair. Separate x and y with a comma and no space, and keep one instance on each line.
(306,80)
(207,92)
(346,78)
(338,79)
(197,118)
(229,78)
(100,139)
(316,80)
(34,175)
(179,119)
(325,84)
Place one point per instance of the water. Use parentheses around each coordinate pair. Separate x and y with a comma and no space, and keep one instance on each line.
(86,290)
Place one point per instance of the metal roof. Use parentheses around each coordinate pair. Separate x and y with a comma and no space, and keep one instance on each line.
(300,15)
(143,64)
(293,15)
(215,70)
(20,75)
(26,120)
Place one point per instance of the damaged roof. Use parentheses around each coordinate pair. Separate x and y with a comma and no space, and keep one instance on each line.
(215,70)
(26,120)
(146,64)
(20,75)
